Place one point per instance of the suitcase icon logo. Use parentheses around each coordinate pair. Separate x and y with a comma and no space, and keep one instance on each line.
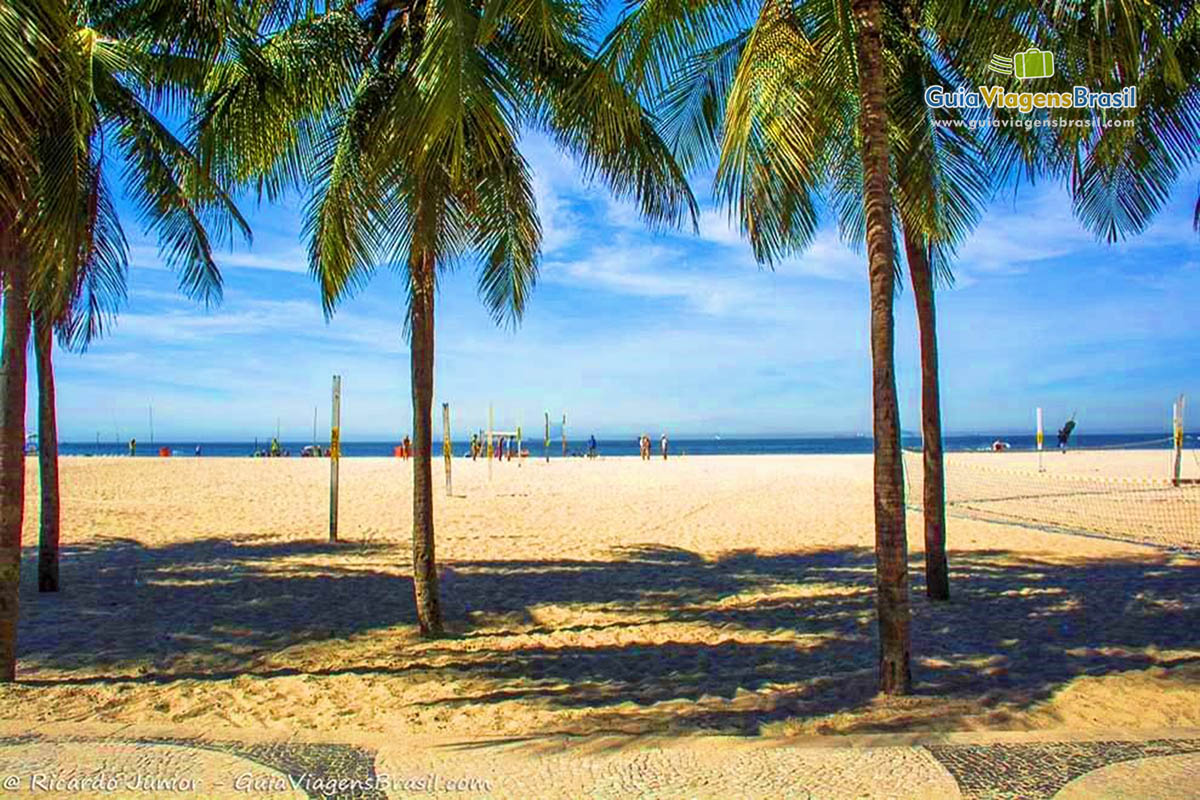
(1029,65)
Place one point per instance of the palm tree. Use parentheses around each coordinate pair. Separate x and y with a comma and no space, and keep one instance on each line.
(777,125)
(64,255)
(48,521)
(401,118)
(30,76)
(15,257)
(1119,178)
(891,542)
(942,182)
(77,304)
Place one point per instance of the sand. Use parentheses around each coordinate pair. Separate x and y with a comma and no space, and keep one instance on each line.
(726,593)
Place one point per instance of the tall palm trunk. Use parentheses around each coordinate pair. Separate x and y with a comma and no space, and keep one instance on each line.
(12,440)
(891,545)
(937,581)
(43,346)
(425,579)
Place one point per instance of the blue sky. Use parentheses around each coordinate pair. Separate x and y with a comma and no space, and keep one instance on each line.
(630,330)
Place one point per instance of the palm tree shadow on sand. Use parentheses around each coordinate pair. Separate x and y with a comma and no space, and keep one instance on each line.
(651,640)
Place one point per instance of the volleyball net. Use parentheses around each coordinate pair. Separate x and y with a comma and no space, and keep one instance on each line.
(1111,494)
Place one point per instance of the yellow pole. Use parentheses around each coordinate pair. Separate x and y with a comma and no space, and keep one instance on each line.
(1040,439)
(546,441)
(335,455)
(447,448)
(1177,435)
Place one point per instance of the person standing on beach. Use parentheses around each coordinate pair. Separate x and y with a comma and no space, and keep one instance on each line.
(1064,433)
(133,447)
(592,446)
(407,447)
(474,446)
(663,444)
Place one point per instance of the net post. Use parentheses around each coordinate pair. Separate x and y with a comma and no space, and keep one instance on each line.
(1177,436)
(518,444)
(489,440)
(564,434)
(546,441)
(335,455)
(1041,436)
(447,448)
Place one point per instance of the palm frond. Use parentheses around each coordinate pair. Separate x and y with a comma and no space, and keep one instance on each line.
(508,237)
(263,112)
(344,215)
(97,288)
(769,171)
(174,194)
(30,77)
(693,106)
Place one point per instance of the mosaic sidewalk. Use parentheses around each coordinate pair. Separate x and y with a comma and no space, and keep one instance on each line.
(87,762)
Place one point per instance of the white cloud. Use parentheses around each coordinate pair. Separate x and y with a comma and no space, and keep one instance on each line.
(717,227)
(651,270)
(290,259)
(1015,233)
(293,259)
(828,257)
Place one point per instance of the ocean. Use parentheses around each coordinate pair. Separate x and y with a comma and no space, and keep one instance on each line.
(627,446)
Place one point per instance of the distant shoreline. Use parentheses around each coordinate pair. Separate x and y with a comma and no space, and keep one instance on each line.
(609,447)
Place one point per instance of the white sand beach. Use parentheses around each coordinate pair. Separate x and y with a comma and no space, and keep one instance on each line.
(704,593)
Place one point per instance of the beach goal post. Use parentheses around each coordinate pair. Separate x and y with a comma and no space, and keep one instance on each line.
(1177,439)
(447,448)
(335,455)
(546,440)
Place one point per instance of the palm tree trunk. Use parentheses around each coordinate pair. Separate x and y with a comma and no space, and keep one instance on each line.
(425,579)
(937,581)
(12,442)
(43,346)
(891,545)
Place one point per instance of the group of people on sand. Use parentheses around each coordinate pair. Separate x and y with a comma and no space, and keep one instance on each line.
(276,450)
(644,446)
(503,448)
